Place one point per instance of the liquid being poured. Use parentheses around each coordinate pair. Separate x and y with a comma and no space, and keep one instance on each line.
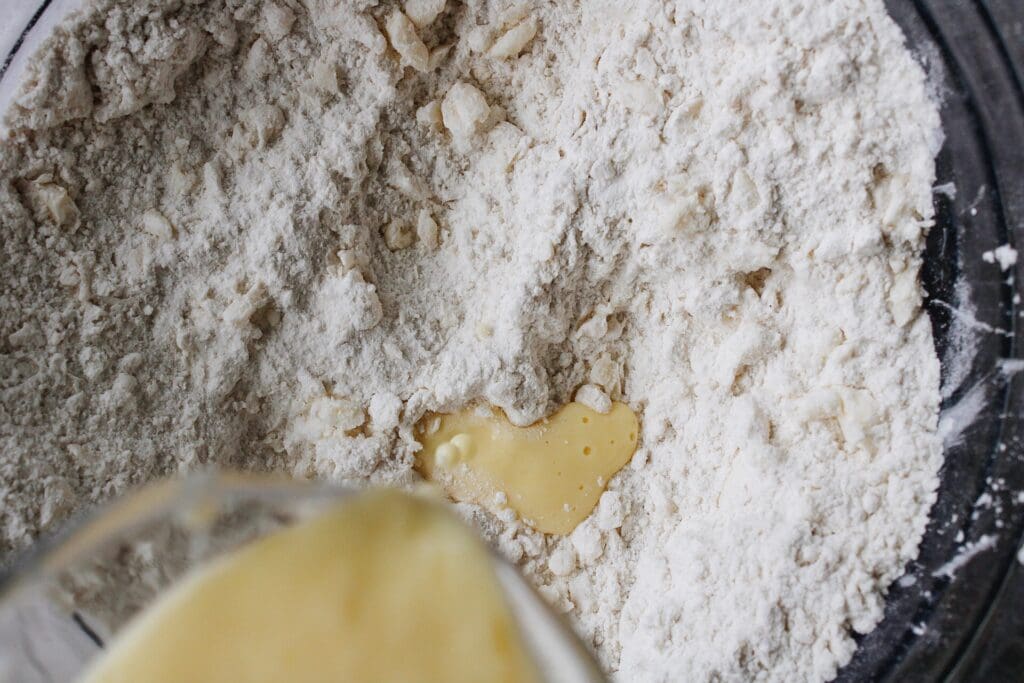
(387,587)
(552,473)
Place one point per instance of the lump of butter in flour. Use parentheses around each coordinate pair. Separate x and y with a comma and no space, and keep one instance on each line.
(398,235)
(423,12)
(52,202)
(426,230)
(429,115)
(402,34)
(464,110)
(514,40)
(552,473)
(594,398)
(904,296)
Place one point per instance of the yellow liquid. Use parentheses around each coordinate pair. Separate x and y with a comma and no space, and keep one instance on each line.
(387,588)
(552,473)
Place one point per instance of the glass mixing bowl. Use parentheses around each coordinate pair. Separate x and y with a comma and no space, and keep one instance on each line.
(954,615)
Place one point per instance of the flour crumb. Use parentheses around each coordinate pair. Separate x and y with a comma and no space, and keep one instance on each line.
(1004,255)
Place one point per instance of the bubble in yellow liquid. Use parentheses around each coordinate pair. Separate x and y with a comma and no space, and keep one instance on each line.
(387,588)
(552,473)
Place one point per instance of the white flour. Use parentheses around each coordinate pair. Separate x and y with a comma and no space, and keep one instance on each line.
(274,234)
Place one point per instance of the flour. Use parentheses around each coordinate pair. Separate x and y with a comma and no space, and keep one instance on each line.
(272,235)
(1005,255)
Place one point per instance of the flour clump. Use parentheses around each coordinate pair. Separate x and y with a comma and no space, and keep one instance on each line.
(274,235)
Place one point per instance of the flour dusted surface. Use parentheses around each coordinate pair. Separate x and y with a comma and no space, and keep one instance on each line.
(274,234)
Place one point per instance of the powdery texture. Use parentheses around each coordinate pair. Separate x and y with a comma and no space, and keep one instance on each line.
(260,234)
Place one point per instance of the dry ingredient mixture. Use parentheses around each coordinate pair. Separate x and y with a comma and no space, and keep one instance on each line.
(275,234)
